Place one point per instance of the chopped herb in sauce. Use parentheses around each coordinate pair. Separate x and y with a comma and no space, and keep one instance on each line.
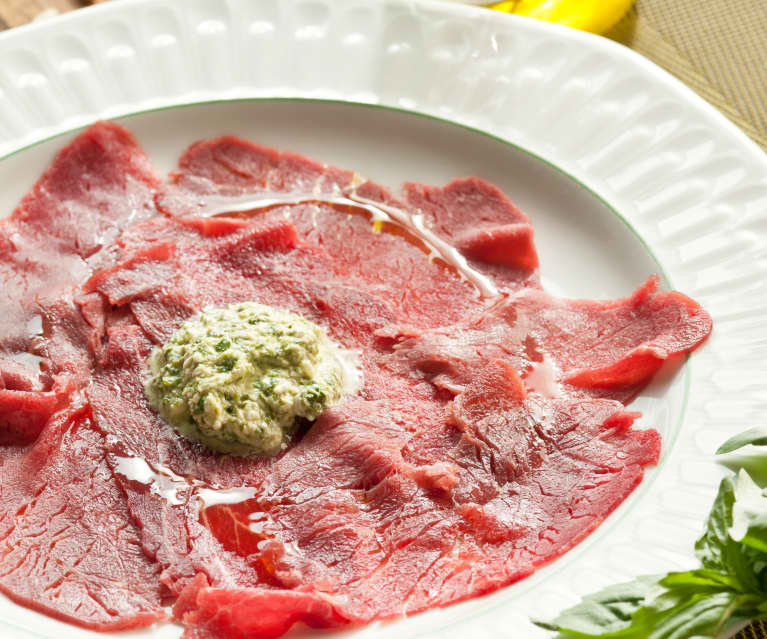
(236,378)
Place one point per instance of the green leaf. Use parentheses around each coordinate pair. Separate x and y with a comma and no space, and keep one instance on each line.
(700,580)
(695,605)
(606,613)
(695,614)
(749,514)
(756,436)
(717,550)
(710,547)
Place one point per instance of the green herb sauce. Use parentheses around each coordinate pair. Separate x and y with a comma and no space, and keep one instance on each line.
(236,378)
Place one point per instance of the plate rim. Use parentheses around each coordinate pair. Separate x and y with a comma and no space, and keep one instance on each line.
(454,7)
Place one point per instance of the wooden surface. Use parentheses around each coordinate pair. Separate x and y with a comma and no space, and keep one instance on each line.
(17,12)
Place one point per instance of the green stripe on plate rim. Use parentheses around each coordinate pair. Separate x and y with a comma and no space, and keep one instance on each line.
(560,562)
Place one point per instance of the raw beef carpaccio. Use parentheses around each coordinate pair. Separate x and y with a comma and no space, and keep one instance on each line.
(489,436)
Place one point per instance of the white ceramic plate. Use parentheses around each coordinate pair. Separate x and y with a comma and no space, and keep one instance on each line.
(623,171)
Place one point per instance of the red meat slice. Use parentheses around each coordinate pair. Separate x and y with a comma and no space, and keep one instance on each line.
(605,349)
(20,376)
(24,413)
(95,187)
(675,323)
(123,282)
(68,547)
(551,470)
(232,166)
(29,266)
(479,220)
(213,613)
(508,245)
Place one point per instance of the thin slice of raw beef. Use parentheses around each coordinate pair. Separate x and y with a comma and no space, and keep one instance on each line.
(232,166)
(582,347)
(96,186)
(480,221)
(211,613)
(68,547)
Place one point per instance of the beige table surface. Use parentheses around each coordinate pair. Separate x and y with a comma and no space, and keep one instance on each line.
(716,47)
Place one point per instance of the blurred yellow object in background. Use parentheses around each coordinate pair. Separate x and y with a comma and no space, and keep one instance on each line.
(596,16)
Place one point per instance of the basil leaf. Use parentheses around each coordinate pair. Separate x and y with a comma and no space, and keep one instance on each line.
(693,614)
(700,580)
(756,436)
(718,551)
(749,514)
(710,548)
(606,613)
(620,612)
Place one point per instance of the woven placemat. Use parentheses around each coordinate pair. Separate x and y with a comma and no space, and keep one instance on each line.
(757,630)
(717,48)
